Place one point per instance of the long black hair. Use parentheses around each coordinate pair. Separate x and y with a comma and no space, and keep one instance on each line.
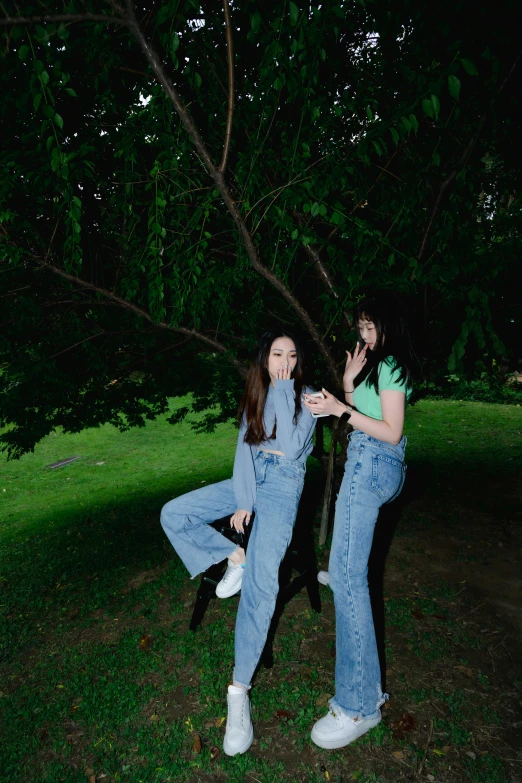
(252,405)
(392,343)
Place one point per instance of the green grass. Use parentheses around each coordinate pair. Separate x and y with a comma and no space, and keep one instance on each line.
(100,674)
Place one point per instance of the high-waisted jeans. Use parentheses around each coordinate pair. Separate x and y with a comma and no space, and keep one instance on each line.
(374,475)
(185,520)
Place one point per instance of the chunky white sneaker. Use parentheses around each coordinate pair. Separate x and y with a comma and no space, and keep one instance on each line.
(231,582)
(336,729)
(323,577)
(239,734)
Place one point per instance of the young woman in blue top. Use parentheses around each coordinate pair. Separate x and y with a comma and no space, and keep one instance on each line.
(377,383)
(275,439)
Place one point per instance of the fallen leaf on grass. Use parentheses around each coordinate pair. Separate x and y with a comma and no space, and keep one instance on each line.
(214,752)
(398,754)
(322,700)
(405,725)
(154,717)
(418,615)
(283,714)
(196,744)
(92,778)
(465,670)
(146,641)
(214,723)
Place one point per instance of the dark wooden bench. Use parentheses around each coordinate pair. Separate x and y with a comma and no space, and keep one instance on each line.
(300,558)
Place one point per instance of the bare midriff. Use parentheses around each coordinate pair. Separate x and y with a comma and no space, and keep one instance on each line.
(273,451)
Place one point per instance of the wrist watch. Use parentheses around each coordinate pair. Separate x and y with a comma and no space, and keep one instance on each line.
(348,410)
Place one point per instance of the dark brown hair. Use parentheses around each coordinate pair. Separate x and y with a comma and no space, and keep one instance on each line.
(252,406)
(388,314)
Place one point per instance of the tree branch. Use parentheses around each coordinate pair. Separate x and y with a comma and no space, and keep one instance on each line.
(130,21)
(230,110)
(217,346)
(225,193)
(323,273)
(9,21)
(462,161)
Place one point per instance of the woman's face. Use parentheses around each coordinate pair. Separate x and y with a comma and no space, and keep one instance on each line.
(368,332)
(282,354)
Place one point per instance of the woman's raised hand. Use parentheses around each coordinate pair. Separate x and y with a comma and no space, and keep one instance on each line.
(284,373)
(354,364)
(327,405)
(240,518)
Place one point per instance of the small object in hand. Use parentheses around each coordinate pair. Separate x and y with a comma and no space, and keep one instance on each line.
(317,394)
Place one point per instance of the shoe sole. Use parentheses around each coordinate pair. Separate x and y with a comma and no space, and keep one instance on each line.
(340,743)
(236,589)
(243,748)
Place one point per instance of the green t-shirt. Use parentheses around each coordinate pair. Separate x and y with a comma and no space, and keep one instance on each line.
(365,398)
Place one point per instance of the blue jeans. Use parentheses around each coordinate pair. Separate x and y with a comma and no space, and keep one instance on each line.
(185,520)
(374,475)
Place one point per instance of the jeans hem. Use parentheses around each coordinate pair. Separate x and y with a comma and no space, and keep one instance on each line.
(213,562)
(358,714)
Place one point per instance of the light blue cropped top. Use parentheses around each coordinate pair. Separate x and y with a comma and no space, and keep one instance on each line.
(294,440)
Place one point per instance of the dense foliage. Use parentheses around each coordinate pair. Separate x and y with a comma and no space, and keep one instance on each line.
(373,145)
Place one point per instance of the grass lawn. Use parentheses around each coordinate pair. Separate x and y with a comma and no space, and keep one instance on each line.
(101,680)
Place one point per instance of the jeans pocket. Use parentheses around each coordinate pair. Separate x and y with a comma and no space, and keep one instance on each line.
(387,476)
(292,472)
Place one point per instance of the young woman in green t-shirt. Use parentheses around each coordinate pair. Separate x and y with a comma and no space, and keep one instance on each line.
(377,383)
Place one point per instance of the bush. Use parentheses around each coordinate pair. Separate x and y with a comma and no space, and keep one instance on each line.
(483,389)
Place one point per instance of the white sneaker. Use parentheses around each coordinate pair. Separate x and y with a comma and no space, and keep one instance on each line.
(239,734)
(336,729)
(323,577)
(231,582)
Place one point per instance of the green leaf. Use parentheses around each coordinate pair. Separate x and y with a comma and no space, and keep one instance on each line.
(36,101)
(395,135)
(23,52)
(71,92)
(427,107)
(48,112)
(454,86)
(469,66)
(436,106)
(294,234)
(58,120)
(414,123)
(198,81)
(294,13)
(369,113)
(407,124)
(255,22)
(44,77)
(174,46)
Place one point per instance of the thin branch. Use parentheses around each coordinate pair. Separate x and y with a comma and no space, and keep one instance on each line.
(9,21)
(92,337)
(226,195)
(444,187)
(130,21)
(230,110)
(461,163)
(217,346)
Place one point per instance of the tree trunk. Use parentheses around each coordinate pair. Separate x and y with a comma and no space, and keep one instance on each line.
(327,502)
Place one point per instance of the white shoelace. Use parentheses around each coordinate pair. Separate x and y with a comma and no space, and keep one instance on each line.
(230,569)
(236,711)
